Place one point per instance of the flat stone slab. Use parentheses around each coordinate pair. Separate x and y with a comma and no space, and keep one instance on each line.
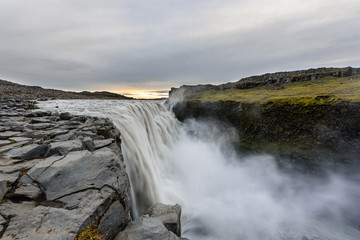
(13,165)
(7,134)
(28,191)
(11,146)
(4,142)
(81,170)
(65,147)
(28,152)
(11,178)
(103,143)
(40,126)
(21,139)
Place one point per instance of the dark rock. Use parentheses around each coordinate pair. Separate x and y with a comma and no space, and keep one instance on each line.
(3,188)
(113,221)
(65,116)
(38,114)
(88,144)
(29,152)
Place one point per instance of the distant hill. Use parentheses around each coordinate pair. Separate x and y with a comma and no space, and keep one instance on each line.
(14,90)
(270,81)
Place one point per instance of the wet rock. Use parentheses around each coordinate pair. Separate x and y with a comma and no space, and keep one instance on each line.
(29,152)
(169,215)
(146,228)
(63,148)
(113,221)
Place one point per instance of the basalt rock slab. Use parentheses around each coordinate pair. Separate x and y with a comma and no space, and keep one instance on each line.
(29,152)
(145,228)
(113,221)
(81,170)
(62,148)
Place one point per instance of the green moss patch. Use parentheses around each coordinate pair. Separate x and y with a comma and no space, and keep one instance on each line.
(327,90)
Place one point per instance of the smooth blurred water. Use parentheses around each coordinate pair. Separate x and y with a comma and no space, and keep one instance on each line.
(223,196)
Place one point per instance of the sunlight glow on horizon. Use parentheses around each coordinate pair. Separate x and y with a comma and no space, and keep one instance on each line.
(143,93)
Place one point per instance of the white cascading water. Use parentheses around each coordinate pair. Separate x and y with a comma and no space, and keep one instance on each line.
(223,196)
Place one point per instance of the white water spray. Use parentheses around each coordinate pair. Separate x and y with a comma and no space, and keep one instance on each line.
(223,196)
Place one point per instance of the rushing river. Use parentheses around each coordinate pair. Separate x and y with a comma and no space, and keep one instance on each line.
(223,195)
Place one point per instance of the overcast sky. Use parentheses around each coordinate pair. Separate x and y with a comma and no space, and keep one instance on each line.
(130,45)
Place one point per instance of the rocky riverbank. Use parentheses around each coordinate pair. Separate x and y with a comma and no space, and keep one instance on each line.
(61,175)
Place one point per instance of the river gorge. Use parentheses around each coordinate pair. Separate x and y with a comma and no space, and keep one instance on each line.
(224,194)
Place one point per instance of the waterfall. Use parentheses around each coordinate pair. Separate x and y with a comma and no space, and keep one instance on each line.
(224,195)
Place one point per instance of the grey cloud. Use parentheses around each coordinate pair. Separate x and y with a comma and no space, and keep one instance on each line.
(92,45)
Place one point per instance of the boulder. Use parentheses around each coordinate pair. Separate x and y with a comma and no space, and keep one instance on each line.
(145,228)
(169,215)
(65,116)
(29,152)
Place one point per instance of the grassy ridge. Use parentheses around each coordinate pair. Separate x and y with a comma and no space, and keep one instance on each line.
(326,90)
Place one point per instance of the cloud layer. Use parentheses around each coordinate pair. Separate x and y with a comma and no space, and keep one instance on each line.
(158,44)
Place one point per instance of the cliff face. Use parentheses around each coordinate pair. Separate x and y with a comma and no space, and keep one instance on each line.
(291,120)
